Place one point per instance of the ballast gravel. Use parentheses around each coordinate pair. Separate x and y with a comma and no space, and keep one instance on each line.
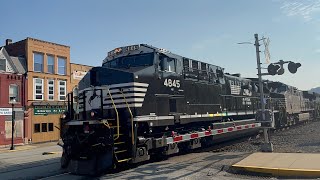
(302,138)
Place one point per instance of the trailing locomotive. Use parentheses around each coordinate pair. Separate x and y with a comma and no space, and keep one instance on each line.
(145,101)
(292,105)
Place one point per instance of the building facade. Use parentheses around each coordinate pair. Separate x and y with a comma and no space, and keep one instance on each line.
(48,73)
(12,101)
(50,76)
(77,72)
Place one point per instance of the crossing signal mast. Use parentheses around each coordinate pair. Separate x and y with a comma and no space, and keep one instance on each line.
(263,115)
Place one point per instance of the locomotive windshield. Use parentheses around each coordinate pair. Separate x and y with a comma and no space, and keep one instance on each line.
(131,61)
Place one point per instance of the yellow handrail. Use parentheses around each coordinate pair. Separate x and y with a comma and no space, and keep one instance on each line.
(132,133)
(115,108)
(106,124)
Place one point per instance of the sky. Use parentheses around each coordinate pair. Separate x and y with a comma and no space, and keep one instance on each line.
(206,30)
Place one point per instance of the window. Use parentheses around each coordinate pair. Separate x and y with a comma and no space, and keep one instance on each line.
(50,64)
(50,89)
(62,90)
(194,65)
(2,65)
(44,127)
(13,92)
(37,62)
(38,88)
(50,127)
(171,65)
(61,66)
(131,61)
(167,64)
(36,128)
(186,63)
(203,66)
(75,92)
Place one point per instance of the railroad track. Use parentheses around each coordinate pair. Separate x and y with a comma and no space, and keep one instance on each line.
(250,143)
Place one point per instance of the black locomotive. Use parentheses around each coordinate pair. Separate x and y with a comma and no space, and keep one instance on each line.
(146,101)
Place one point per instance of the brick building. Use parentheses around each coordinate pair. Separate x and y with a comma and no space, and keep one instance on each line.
(77,72)
(49,77)
(13,87)
(48,66)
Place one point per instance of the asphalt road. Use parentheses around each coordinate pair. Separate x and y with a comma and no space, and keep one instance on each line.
(30,164)
(203,164)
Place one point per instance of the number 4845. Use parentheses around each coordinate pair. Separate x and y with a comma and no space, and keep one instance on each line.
(171,83)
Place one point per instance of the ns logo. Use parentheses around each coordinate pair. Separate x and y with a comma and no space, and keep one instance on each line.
(246,100)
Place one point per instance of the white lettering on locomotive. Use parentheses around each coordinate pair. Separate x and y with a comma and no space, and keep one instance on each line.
(171,83)
(246,101)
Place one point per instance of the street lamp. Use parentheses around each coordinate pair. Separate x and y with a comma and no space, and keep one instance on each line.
(12,102)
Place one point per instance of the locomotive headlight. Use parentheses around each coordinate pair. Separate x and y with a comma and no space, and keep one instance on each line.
(92,114)
(64,116)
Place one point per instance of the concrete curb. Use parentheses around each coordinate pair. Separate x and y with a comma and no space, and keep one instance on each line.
(278,172)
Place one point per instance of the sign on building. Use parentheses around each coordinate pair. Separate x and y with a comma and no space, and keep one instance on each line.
(45,110)
(79,74)
(5,111)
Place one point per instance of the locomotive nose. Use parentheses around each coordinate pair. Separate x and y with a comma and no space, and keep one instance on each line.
(99,76)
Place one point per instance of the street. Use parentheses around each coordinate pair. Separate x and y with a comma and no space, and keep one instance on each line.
(206,163)
(30,164)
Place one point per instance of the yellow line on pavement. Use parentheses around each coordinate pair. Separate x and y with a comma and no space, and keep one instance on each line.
(48,153)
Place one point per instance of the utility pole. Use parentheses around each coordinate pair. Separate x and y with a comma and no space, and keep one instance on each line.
(267,146)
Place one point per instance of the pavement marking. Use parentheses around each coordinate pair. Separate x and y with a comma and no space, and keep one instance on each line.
(48,153)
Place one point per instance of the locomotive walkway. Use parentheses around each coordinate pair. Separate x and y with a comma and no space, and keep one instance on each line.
(300,165)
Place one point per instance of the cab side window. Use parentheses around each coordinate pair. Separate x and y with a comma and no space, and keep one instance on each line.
(167,64)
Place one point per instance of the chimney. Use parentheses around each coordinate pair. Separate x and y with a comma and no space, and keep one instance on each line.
(8,42)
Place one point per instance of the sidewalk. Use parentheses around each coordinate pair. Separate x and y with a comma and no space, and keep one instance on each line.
(22,147)
(302,165)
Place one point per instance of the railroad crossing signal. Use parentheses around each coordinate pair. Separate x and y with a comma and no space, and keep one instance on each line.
(293,67)
(273,69)
(277,68)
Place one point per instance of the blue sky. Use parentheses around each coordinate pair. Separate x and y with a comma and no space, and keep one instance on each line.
(207,30)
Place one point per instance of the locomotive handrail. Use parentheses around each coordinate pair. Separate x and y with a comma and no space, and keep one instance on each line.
(131,115)
(227,95)
(115,108)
